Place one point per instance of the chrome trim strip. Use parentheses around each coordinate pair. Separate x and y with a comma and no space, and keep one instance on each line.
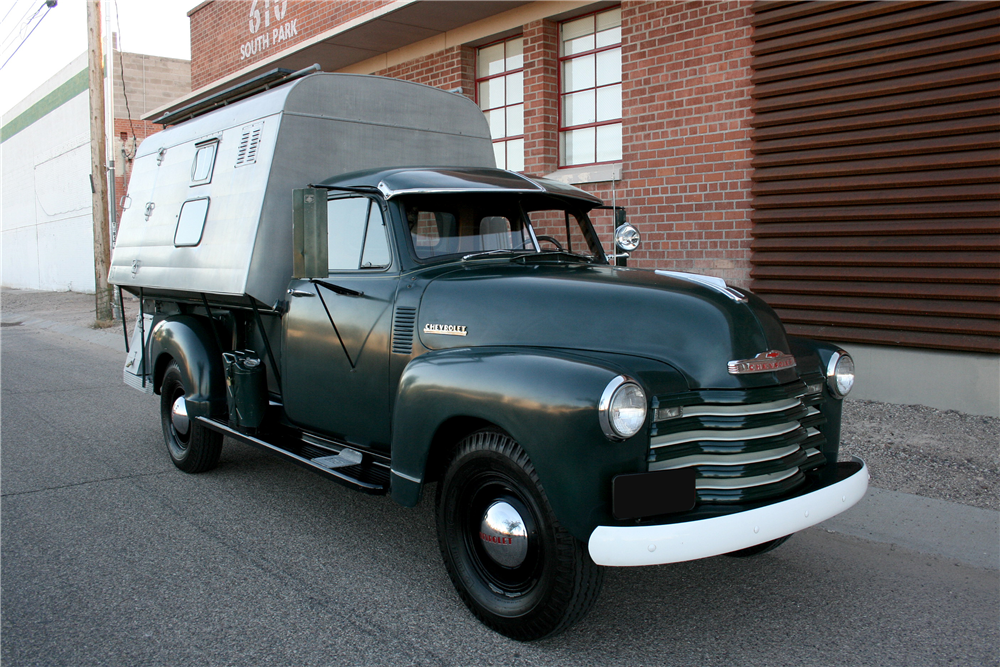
(723,459)
(689,540)
(389,193)
(738,410)
(415,480)
(723,435)
(744,482)
(711,282)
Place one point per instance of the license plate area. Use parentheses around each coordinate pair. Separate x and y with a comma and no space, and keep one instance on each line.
(648,494)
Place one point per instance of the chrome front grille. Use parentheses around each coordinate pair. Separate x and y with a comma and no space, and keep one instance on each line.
(741,452)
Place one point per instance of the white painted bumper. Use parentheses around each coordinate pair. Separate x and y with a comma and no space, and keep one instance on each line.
(678,542)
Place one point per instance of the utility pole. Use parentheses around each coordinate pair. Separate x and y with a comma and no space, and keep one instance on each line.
(98,169)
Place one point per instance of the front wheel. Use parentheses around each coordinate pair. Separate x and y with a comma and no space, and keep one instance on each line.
(192,446)
(516,568)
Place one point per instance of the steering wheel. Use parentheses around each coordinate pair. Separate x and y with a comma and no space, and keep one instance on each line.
(551,240)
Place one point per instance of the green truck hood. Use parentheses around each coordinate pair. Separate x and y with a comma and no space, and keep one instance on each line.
(693,327)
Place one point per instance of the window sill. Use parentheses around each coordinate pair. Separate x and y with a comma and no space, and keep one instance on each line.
(592,173)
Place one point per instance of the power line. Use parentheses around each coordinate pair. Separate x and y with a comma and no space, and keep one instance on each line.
(48,4)
(18,28)
(121,61)
(12,6)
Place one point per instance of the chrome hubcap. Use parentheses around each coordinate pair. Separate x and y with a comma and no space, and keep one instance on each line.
(503,534)
(179,416)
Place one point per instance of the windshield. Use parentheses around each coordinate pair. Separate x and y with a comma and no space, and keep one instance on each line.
(477,224)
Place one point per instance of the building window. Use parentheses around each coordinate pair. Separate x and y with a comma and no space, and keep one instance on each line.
(500,89)
(590,89)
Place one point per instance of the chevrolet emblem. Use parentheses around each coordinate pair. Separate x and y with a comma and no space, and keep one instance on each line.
(765,362)
(446,329)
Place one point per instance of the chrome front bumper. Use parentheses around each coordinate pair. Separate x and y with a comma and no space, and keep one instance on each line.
(678,542)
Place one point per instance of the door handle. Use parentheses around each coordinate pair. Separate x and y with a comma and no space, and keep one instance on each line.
(299,292)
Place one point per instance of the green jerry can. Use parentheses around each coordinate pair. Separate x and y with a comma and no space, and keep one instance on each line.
(246,390)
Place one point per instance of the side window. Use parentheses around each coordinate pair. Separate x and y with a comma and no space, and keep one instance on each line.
(204,162)
(357,234)
(191,222)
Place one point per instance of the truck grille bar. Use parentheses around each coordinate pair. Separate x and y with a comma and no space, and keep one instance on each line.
(741,451)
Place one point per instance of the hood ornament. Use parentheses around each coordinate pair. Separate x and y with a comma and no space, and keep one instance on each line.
(765,362)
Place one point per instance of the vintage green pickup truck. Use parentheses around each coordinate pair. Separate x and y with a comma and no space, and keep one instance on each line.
(332,269)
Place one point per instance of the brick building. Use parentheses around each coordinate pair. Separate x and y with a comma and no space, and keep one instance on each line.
(842,159)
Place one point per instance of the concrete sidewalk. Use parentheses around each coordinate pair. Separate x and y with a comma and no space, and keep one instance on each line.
(967,534)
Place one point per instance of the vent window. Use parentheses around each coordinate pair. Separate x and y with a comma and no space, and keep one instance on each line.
(249,145)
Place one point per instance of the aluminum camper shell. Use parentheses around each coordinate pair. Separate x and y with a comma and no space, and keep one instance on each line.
(211,199)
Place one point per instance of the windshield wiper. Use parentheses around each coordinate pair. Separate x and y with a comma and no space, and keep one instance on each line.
(497,251)
(541,254)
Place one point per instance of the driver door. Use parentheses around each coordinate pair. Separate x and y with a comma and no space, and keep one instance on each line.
(337,331)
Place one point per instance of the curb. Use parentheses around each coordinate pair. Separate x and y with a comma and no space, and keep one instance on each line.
(952,530)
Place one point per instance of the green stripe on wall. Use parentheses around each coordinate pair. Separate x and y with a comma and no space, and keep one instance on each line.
(64,93)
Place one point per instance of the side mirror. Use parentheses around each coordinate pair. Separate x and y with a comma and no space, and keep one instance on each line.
(310,251)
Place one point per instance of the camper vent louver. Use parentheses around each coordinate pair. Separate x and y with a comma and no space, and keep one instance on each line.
(249,143)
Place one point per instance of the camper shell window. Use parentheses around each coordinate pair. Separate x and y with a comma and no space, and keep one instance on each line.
(191,222)
(204,162)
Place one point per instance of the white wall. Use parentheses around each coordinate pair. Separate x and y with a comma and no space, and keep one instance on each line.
(45,199)
(962,381)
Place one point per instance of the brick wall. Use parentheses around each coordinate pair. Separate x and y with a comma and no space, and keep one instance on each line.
(541,97)
(686,104)
(128,135)
(222,41)
(451,69)
(147,82)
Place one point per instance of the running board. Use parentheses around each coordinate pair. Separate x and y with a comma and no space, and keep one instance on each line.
(331,467)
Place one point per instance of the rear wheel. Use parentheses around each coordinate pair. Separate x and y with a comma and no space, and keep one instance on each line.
(192,446)
(516,568)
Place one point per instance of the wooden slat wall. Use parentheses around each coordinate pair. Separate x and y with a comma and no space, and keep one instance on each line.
(876,195)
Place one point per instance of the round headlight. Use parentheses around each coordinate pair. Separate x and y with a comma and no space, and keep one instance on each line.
(623,409)
(840,374)
(627,237)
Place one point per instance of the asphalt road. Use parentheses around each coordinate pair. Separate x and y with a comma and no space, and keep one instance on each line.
(111,556)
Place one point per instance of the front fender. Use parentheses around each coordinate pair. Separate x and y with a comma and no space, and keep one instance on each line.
(189,342)
(546,400)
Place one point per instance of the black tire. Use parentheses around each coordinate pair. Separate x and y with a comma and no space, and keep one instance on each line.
(555,584)
(759,549)
(196,450)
